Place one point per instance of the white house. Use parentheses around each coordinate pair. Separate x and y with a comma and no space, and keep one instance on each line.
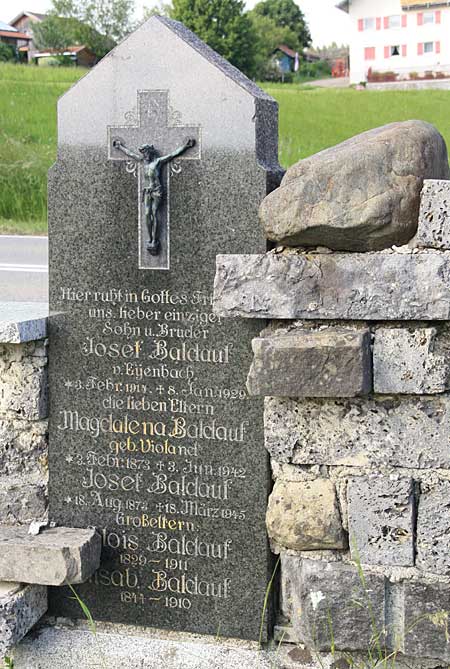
(408,37)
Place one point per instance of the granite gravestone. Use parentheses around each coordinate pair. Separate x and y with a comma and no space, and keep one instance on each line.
(153,438)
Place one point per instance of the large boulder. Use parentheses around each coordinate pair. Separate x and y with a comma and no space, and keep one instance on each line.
(361,195)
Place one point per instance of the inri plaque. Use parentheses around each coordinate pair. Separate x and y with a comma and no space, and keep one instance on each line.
(153,438)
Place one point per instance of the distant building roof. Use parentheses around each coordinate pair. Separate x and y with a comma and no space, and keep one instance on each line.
(6,26)
(344,5)
(286,50)
(62,52)
(14,34)
(31,15)
(406,4)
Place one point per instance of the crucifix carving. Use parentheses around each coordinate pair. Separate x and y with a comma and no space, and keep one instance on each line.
(149,146)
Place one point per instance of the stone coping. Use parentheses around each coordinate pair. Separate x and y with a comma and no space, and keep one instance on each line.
(22,321)
(375,286)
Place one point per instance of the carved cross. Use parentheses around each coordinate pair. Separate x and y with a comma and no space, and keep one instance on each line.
(155,124)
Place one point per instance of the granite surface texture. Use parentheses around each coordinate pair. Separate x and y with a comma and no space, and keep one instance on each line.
(153,439)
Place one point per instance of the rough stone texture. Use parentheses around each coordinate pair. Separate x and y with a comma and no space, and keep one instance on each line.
(23,380)
(376,286)
(290,572)
(410,361)
(23,447)
(21,322)
(426,620)
(305,516)
(434,218)
(433,529)
(381,521)
(330,602)
(23,499)
(141,498)
(329,363)
(409,432)
(20,609)
(55,556)
(361,195)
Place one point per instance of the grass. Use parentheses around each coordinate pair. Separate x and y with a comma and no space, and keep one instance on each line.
(311,119)
(28,98)
(314,119)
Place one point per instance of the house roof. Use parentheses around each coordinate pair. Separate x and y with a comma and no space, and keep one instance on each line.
(14,34)
(286,50)
(406,4)
(62,52)
(344,5)
(6,26)
(31,15)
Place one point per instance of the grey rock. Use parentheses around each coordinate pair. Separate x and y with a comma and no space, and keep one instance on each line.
(23,447)
(407,432)
(290,572)
(381,521)
(361,195)
(23,499)
(434,217)
(331,363)
(331,606)
(433,529)
(21,322)
(410,361)
(304,515)
(426,613)
(55,556)
(20,609)
(23,380)
(376,286)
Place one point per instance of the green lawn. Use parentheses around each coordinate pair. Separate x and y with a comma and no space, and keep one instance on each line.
(28,98)
(310,120)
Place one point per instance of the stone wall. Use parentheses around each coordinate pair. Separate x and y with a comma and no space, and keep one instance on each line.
(23,414)
(357,424)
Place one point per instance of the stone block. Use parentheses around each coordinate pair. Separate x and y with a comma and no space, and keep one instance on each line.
(21,322)
(23,446)
(304,515)
(434,216)
(290,572)
(433,529)
(407,432)
(381,521)
(22,499)
(329,363)
(332,606)
(358,286)
(55,556)
(426,620)
(410,361)
(20,608)
(23,380)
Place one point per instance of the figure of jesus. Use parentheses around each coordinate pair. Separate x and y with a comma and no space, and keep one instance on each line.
(152,192)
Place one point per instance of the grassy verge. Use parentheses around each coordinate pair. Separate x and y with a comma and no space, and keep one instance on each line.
(311,119)
(28,98)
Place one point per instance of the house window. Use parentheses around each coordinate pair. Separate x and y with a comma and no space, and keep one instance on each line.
(369,24)
(395,51)
(428,17)
(428,47)
(395,21)
(369,53)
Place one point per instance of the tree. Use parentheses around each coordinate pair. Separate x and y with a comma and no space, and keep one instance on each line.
(223,25)
(286,14)
(160,9)
(269,36)
(99,24)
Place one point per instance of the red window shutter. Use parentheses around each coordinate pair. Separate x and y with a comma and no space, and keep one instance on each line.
(387,51)
(378,22)
(404,21)
(369,53)
(404,50)
(420,19)
(360,25)
(386,22)
(437,47)
(437,16)
(420,49)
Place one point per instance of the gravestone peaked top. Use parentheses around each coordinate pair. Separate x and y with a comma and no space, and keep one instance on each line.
(165,153)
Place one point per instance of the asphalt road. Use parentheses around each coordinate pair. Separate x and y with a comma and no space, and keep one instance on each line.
(23,269)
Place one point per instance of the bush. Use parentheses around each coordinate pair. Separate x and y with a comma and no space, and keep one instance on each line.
(56,61)
(7,53)
(317,70)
